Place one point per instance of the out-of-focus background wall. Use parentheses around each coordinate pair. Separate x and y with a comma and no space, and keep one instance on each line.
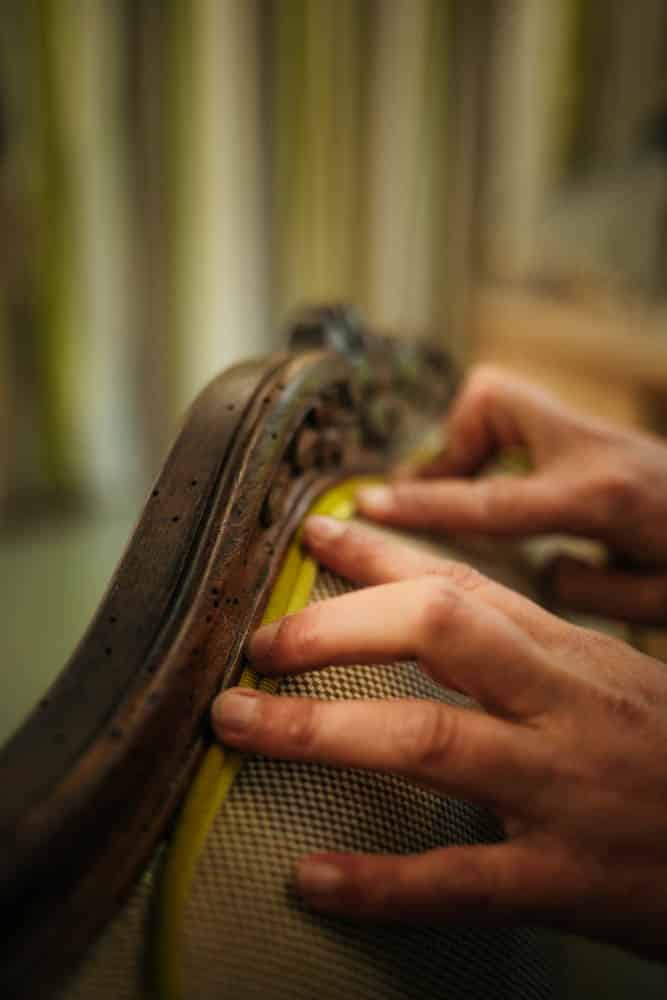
(175,177)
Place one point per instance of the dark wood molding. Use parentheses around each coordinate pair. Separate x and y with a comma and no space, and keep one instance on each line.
(93,777)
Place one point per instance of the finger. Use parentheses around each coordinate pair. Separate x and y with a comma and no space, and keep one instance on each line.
(462,642)
(631,597)
(365,555)
(504,506)
(454,750)
(493,411)
(488,884)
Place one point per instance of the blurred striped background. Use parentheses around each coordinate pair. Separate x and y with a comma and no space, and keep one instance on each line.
(177,176)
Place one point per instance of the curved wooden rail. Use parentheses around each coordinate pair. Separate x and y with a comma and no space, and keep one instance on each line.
(92,778)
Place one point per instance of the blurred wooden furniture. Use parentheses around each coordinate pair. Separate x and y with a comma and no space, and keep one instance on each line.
(609,359)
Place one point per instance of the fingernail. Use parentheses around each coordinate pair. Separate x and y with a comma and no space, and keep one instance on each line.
(323,529)
(234,711)
(376,498)
(318,878)
(259,647)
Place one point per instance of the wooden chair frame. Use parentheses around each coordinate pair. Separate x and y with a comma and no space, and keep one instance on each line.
(93,778)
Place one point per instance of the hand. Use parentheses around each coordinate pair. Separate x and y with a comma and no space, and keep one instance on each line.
(590,479)
(571,751)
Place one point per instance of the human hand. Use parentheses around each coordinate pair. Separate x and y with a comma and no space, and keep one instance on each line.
(589,479)
(570,751)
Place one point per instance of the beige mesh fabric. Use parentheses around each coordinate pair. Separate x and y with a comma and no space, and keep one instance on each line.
(246,934)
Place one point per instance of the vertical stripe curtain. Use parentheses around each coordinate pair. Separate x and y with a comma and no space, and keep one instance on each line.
(359,114)
(180,177)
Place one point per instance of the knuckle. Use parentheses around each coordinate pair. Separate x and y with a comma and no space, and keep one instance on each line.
(619,705)
(487,377)
(587,644)
(607,688)
(441,608)
(626,708)
(301,727)
(484,385)
(423,736)
(297,639)
(462,575)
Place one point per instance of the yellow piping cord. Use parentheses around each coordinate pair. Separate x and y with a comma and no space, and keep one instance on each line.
(217,772)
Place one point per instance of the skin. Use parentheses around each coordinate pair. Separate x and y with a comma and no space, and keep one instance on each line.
(590,479)
(569,742)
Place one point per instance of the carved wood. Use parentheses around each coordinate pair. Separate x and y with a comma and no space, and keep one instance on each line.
(93,777)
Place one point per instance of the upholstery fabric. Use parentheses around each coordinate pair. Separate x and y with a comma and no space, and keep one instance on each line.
(246,933)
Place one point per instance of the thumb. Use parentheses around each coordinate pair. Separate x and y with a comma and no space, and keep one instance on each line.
(628,596)
(508,506)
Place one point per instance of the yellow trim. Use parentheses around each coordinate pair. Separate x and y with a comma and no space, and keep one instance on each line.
(219,768)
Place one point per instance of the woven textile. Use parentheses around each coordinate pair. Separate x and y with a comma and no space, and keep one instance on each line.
(248,936)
